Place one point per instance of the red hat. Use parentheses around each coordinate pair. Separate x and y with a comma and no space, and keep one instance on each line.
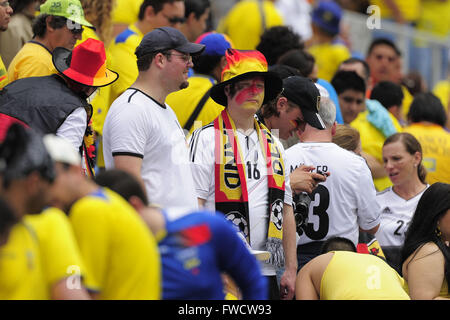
(86,64)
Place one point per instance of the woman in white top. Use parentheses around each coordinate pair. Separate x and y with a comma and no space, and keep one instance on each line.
(402,157)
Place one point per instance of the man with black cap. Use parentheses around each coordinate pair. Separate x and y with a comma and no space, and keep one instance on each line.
(346,201)
(141,134)
(239,169)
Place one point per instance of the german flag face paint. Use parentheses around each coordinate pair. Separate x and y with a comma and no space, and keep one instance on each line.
(250,93)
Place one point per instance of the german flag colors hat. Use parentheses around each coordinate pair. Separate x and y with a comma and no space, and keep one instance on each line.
(86,64)
(242,64)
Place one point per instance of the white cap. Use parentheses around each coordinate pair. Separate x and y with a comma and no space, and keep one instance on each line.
(61,150)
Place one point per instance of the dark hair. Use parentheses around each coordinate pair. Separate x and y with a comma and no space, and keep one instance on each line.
(345,80)
(412,145)
(121,182)
(276,41)
(433,204)
(144,62)
(427,107)
(337,244)
(204,63)
(7,218)
(283,71)
(19,5)
(39,26)
(198,7)
(156,4)
(414,82)
(383,41)
(301,60)
(354,60)
(388,93)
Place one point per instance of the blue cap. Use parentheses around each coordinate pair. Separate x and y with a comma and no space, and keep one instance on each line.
(216,44)
(327,15)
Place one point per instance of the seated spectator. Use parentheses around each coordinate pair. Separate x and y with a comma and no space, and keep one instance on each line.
(427,120)
(343,274)
(425,255)
(218,248)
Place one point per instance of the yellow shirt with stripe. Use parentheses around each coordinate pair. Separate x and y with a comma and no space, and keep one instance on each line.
(371,278)
(126,11)
(3,74)
(123,61)
(435,142)
(118,249)
(328,58)
(60,254)
(410,9)
(372,142)
(183,102)
(33,60)
(243,23)
(21,273)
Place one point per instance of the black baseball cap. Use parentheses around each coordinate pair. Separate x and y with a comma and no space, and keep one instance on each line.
(167,38)
(303,92)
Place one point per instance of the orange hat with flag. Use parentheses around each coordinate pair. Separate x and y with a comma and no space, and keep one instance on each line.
(86,64)
(243,64)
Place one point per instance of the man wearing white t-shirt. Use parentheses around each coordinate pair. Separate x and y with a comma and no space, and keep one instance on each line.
(238,167)
(141,133)
(346,201)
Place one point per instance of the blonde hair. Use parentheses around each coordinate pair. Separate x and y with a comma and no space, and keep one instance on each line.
(98,12)
(346,137)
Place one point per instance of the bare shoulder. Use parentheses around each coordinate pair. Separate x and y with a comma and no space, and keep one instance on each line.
(429,248)
(427,255)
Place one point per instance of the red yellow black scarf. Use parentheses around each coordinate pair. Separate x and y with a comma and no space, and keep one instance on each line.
(231,197)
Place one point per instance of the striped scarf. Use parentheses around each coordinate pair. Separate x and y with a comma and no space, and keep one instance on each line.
(231,184)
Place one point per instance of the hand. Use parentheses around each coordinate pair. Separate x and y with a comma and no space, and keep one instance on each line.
(303,180)
(287,284)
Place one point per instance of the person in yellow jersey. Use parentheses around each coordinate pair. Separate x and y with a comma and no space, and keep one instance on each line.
(193,105)
(125,13)
(35,259)
(56,26)
(5,15)
(247,20)
(324,45)
(427,120)
(343,274)
(118,250)
(196,17)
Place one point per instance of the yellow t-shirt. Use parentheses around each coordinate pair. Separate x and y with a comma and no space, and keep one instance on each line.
(126,11)
(406,104)
(435,142)
(33,60)
(369,278)
(123,61)
(372,142)
(21,274)
(3,74)
(328,58)
(243,23)
(410,9)
(435,17)
(118,249)
(442,91)
(60,254)
(183,102)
